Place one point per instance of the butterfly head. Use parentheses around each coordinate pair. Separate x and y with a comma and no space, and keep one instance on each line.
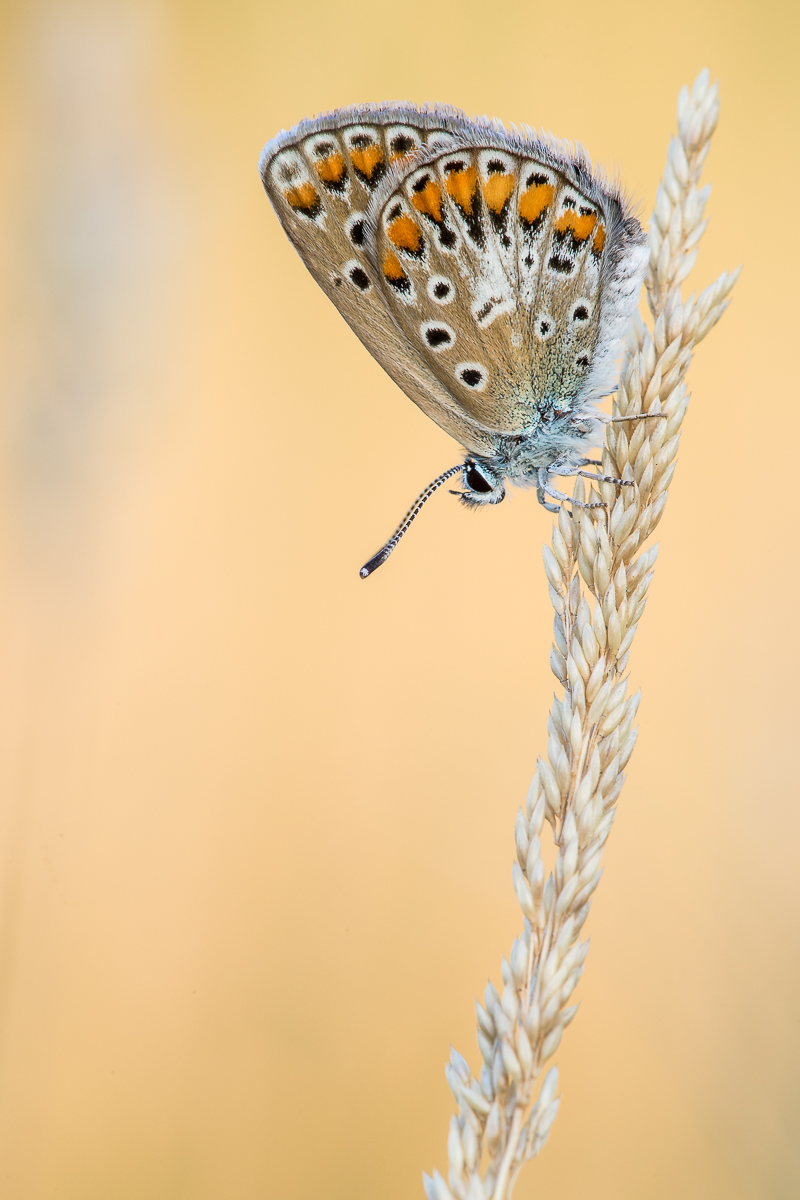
(482,483)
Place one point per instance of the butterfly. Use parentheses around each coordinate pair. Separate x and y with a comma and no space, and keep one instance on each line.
(491,273)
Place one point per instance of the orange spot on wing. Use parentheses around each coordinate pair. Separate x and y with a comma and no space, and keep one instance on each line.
(535,201)
(331,169)
(391,266)
(367,159)
(599,240)
(463,186)
(303,197)
(496,190)
(579,226)
(405,233)
(429,200)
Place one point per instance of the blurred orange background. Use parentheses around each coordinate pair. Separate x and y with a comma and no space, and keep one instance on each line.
(257,815)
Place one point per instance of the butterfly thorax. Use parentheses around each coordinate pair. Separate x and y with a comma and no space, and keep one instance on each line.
(556,443)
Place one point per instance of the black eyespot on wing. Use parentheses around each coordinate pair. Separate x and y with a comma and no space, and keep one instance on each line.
(360,278)
(569,202)
(475,480)
(401,144)
(535,179)
(495,167)
(471,377)
(581,313)
(544,327)
(500,224)
(562,265)
(356,232)
(447,238)
(436,336)
(441,290)
(396,211)
(485,309)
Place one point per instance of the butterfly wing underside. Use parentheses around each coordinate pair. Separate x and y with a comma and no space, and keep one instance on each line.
(320,178)
(510,271)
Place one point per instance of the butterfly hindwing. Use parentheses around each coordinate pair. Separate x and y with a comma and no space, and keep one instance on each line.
(493,262)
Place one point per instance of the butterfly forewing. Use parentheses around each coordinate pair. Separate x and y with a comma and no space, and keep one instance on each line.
(320,178)
(320,182)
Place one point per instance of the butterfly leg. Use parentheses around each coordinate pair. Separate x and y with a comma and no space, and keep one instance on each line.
(553,508)
(544,489)
(592,462)
(606,479)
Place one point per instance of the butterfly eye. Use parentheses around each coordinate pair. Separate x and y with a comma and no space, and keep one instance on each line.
(475,480)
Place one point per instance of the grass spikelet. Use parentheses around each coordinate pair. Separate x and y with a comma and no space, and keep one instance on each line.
(598,572)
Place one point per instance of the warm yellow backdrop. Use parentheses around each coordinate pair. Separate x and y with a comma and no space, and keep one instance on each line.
(257,815)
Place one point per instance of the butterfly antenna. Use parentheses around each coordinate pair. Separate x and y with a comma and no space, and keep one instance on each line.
(380,558)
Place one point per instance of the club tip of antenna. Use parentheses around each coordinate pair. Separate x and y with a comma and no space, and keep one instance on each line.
(376,561)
